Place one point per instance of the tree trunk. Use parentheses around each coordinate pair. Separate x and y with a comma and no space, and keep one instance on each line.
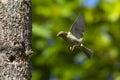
(15,39)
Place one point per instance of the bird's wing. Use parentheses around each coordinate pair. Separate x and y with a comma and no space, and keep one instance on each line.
(77,28)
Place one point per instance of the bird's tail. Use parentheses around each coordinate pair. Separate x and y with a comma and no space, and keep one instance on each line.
(87,51)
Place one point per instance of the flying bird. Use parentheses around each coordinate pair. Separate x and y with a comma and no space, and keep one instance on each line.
(75,36)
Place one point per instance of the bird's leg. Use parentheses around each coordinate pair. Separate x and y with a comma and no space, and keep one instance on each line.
(73,47)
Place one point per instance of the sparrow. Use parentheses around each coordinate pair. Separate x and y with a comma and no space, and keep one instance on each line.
(75,36)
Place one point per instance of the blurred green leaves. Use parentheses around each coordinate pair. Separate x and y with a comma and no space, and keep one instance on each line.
(112,10)
(41,31)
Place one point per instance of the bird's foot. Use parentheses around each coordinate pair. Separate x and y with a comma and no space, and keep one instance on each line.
(73,47)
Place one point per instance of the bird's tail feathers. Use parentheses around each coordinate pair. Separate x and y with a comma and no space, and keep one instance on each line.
(87,51)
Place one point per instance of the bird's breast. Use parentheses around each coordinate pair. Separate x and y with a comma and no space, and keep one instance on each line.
(72,38)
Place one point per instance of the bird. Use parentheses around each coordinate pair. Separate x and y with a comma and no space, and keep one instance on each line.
(75,36)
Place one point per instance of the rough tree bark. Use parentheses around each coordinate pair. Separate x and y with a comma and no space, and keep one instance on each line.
(15,39)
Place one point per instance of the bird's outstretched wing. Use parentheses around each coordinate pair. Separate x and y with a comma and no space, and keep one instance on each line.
(77,28)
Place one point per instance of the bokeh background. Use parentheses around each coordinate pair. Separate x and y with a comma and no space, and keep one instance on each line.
(54,61)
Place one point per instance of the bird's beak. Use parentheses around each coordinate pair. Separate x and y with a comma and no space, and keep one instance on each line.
(58,35)
(61,33)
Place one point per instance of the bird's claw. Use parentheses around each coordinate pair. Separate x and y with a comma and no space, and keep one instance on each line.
(73,47)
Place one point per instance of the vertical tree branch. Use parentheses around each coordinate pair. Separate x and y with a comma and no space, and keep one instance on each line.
(15,39)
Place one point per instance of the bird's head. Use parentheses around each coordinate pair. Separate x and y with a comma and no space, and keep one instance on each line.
(62,34)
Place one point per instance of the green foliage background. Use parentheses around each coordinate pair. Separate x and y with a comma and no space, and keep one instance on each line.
(54,61)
